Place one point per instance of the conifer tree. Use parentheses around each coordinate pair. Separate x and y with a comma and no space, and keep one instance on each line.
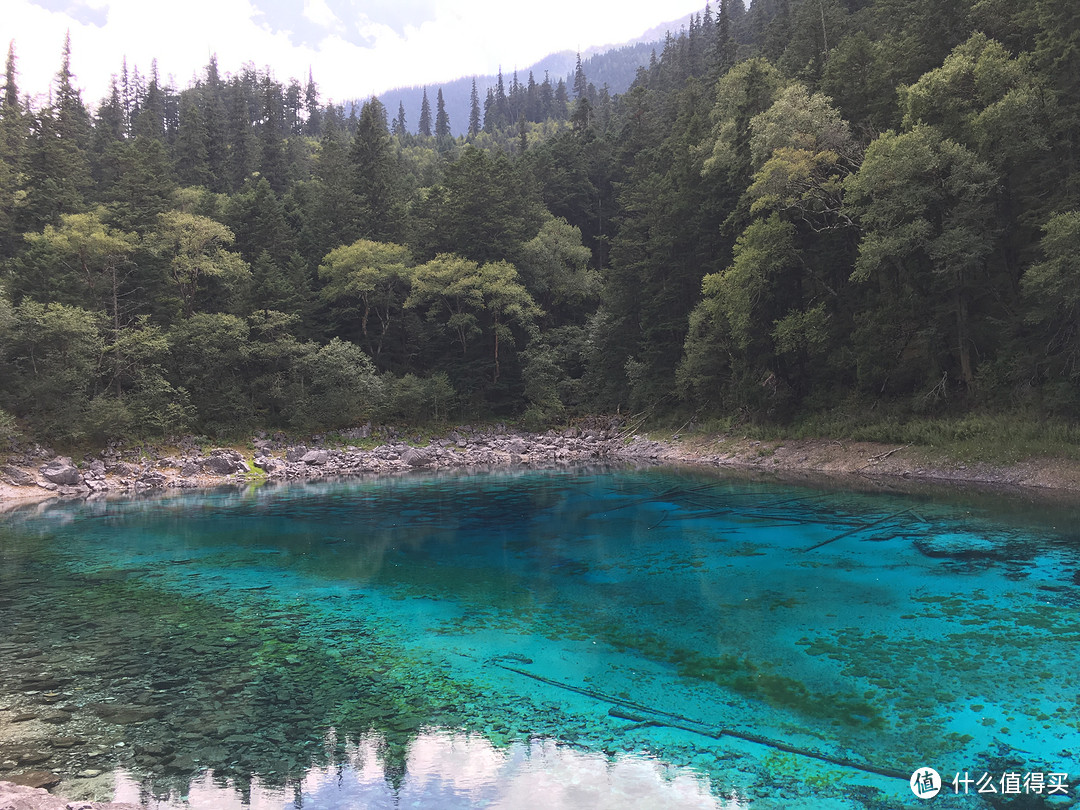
(313,124)
(442,120)
(474,112)
(151,121)
(725,40)
(13,137)
(532,100)
(192,154)
(562,100)
(502,103)
(59,164)
(213,110)
(581,84)
(291,110)
(424,127)
(11,90)
(375,175)
(547,98)
(272,165)
(126,95)
(108,126)
(489,111)
(241,157)
(399,129)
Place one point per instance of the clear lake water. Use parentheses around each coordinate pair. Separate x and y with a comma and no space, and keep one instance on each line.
(574,638)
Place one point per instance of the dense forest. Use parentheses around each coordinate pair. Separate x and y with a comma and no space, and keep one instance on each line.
(801,206)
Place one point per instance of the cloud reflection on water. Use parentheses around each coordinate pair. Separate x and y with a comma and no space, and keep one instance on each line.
(449,770)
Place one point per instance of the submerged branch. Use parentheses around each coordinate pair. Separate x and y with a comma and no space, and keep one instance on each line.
(683,723)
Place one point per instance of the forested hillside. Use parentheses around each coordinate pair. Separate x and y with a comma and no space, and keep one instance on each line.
(613,71)
(806,205)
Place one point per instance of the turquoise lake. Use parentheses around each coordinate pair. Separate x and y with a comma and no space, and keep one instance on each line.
(569,638)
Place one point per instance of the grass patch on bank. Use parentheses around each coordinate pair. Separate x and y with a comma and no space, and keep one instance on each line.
(997,438)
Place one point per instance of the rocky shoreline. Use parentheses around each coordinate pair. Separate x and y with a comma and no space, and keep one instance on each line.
(37,472)
(32,473)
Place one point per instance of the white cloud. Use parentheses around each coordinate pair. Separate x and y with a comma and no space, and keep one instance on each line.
(462,37)
(321,14)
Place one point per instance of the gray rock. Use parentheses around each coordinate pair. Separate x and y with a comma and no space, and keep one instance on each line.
(33,758)
(315,457)
(295,453)
(20,478)
(224,463)
(61,471)
(363,432)
(269,464)
(152,479)
(415,457)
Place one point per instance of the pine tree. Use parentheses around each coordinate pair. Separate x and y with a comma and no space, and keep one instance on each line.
(151,121)
(126,96)
(13,137)
(241,157)
(291,110)
(108,125)
(725,40)
(442,120)
(503,101)
(375,175)
(562,100)
(474,112)
(172,112)
(581,84)
(532,100)
(489,111)
(330,211)
(547,99)
(399,129)
(11,90)
(59,165)
(424,128)
(313,124)
(516,98)
(216,119)
(192,153)
(272,164)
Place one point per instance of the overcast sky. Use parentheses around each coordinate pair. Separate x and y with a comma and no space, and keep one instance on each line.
(354,47)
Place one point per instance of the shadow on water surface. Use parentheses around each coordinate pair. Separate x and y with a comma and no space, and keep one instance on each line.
(626,638)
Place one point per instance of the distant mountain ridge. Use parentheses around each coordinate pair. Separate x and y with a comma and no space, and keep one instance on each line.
(613,65)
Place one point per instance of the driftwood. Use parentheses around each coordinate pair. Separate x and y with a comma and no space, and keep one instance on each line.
(858,529)
(647,715)
(883,456)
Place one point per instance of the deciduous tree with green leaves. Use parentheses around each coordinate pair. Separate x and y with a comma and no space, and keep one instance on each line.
(376,275)
(195,250)
(465,297)
(926,208)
